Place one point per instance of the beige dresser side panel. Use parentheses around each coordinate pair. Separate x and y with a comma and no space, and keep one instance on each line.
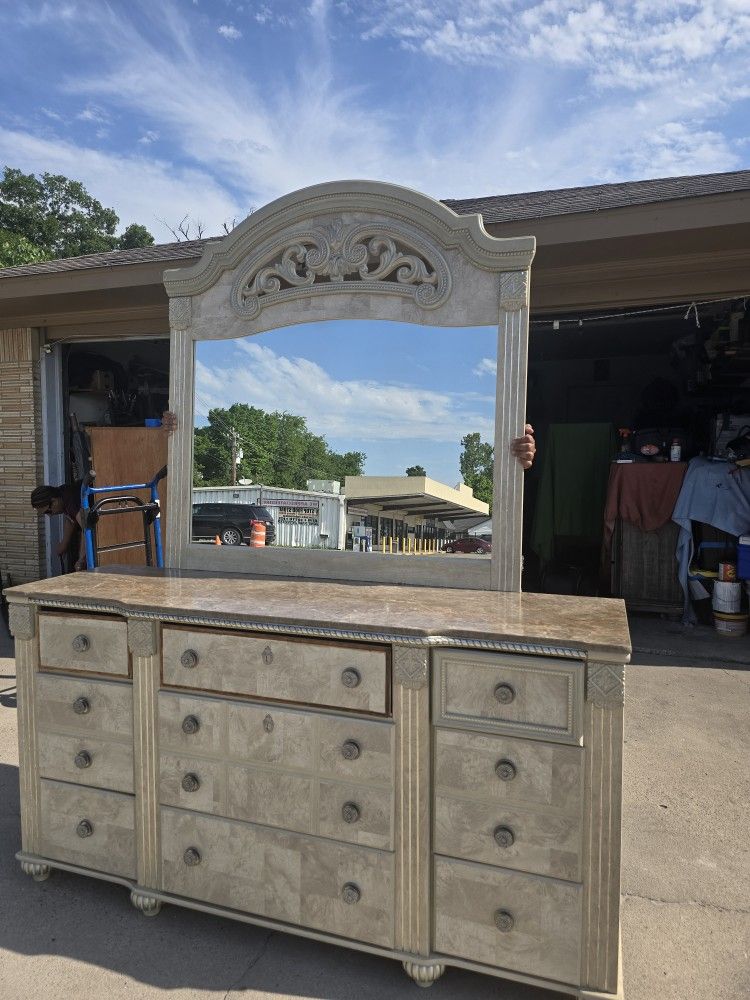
(411,712)
(602,826)
(143,640)
(23,626)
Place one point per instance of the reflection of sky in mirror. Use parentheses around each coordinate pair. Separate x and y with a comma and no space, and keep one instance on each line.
(405,395)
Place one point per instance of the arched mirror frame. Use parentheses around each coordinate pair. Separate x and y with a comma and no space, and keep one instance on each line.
(347,236)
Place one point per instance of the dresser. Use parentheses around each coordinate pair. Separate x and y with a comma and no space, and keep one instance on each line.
(430,775)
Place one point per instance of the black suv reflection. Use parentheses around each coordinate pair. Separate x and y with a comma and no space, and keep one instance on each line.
(230,521)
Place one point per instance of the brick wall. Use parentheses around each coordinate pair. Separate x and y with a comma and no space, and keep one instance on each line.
(21,462)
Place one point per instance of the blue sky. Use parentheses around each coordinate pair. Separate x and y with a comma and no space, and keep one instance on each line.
(210,108)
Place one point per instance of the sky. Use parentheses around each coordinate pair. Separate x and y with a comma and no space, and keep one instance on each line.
(211,108)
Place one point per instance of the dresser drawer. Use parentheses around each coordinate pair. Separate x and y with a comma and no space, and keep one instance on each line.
(84,706)
(545,843)
(356,814)
(497,769)
(86,760)
(92,644)
(88,827)
(315,673)
(339,889)
(508,920)
(334,746)
(534,696)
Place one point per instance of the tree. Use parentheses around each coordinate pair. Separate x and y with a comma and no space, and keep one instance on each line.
(476,463)
(52,216)
(277,449)
(415,470)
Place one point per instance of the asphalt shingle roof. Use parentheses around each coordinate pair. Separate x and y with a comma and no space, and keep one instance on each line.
(567,201)
(494,208)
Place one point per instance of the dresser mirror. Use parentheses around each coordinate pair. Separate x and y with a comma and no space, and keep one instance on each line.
(351,334)
(361,436)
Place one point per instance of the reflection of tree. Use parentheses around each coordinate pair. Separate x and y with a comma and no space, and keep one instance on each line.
(277,449)
(476,464)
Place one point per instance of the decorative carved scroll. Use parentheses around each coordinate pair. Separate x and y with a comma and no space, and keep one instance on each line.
(180,312)
(364,257)
(605,684)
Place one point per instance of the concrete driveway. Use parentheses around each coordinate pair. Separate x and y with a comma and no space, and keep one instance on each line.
(685,903)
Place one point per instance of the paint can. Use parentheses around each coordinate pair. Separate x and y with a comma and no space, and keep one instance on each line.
(731,626)
(727,597)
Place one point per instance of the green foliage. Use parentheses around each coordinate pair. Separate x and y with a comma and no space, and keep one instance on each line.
(16,249)
(278,450)
(415,470)
(476,465)
(59,218)
(134,236)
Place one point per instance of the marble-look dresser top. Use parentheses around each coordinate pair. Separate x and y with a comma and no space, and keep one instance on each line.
(593,624)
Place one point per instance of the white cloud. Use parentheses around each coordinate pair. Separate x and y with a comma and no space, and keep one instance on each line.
(95,114)
(229,32)
(364,409)
(487,366)
(148,137)
(140,190)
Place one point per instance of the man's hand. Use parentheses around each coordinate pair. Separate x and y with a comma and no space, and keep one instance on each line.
(169,421)
(524,448)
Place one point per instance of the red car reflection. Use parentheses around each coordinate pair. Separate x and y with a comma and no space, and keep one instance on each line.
(467,545)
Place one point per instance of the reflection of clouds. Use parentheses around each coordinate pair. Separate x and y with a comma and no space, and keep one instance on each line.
(353,408)
(487,366)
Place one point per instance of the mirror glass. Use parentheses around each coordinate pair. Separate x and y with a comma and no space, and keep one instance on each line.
(368,436)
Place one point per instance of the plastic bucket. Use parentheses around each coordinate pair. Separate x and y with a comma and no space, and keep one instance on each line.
(727,597)
(729,625)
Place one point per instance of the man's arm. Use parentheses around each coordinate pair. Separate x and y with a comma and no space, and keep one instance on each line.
(62,547)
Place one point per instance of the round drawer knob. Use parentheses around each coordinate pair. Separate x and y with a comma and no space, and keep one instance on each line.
(351,678)
(192,856)
(81,706)
(350,750)
(81,643)
(503,920)
(190,724)
(268,724)
(504,837)
(351,893)
(191,783)
(84,829)
(82,759)
(267,655)
(505,694)
(505,770)
(350,812)
(189,659)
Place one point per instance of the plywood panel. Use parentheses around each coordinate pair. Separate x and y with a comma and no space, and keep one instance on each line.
(127,455)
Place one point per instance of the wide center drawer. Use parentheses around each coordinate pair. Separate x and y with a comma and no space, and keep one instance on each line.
(88,827)
(95,644)
(336,675)
(508,920)
(343,890)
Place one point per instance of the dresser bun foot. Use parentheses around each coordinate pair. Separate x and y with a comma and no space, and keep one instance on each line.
(148,905)
(423,974)
(39,872)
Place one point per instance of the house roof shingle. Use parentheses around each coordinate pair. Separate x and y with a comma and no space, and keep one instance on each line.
(567,201)
(493,209)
